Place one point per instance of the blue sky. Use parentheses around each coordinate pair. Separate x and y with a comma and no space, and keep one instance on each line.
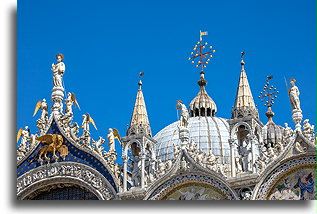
(107,43)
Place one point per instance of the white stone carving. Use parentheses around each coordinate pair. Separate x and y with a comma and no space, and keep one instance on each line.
(58,71)
(293,93)
(309,130)
(97,146)
(184,114)
(111,141)
(83,173)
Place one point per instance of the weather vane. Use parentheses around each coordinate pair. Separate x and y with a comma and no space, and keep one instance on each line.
(203,59)
(268,91)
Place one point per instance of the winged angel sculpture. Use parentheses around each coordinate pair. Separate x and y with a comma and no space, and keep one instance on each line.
(53,143)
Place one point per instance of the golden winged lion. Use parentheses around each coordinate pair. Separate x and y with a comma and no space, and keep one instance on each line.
(53,143)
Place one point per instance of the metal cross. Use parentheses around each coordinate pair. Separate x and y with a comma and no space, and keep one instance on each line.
(268,91)
(203,57)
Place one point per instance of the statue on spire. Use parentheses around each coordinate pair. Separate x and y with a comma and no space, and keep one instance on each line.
(58,70)
(293,94)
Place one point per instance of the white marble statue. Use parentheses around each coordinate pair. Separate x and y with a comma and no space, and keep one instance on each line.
(245,152)
(98,145)
(85,123)
(293,94)
(238,164)
(183,164)
(184,114)
(44,109)
(58,70)
(288,132)
(111,142)
(25,136)
(308,130)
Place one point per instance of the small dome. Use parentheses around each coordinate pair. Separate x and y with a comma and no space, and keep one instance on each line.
(202,104)
(210,134)
(272,133)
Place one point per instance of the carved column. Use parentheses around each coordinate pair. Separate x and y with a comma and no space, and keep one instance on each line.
(142,157)
(297,118)
(233,163)
(253,142)
(57,99)
(125,168)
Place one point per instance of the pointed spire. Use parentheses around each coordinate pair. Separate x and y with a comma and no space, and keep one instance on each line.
(244,103)
(139,124)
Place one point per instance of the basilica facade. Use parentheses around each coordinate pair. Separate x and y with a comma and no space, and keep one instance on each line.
(199,157)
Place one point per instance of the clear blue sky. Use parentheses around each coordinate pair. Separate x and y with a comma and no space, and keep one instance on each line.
(107,43)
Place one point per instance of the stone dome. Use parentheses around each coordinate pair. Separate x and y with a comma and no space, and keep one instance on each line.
(210,134)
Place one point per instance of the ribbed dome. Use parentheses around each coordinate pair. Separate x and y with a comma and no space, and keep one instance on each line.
(210,134)
(202,104)
(272,133)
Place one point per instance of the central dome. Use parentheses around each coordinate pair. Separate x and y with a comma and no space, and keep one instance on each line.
(210,133)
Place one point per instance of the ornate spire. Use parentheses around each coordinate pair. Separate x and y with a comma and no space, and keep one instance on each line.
(244,105)
(139,124)
(269,92)
(202,104)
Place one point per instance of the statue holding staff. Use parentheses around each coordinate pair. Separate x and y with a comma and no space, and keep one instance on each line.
(293,94)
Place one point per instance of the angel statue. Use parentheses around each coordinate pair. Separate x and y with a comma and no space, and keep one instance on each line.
(44,108)
(293,94)
(184,114)
(113,134)
(87,119)
(58,70)
(25,135)
(69,102)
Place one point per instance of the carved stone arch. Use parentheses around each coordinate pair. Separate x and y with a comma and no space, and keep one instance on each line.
(193,180)
(234,129)
(128,145)
(151,147)
(65,173)
(54,118)
(268,183)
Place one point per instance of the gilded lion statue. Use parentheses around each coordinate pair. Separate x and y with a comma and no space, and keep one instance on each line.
(53,143)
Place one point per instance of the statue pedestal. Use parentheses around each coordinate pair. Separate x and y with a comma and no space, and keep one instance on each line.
(183,136)
(57,99)
(297,119)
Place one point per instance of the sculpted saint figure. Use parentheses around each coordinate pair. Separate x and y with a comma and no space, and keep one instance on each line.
(44,109)
(26,136)
(293,94)
(184,114)
(58,70)
(110,138)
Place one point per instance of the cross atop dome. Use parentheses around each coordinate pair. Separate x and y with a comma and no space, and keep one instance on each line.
(270,93)
(202,104)
(198,53)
